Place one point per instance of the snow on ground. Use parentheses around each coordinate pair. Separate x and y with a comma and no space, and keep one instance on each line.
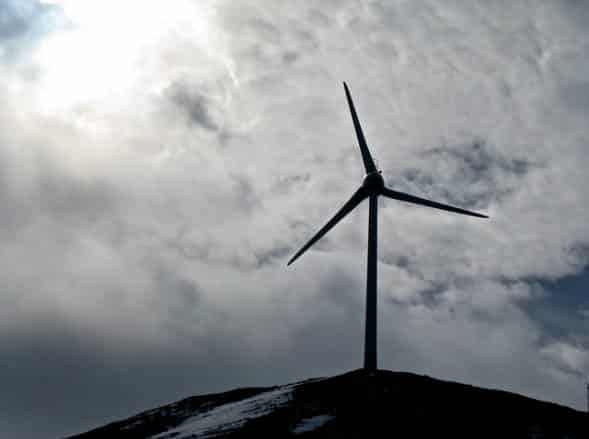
(312,423)
(230,416)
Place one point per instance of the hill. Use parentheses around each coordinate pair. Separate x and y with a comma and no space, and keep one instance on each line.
(352,405)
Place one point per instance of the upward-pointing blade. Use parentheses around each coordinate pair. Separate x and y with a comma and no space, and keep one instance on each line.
(422,201)
(366,157)
(358,196)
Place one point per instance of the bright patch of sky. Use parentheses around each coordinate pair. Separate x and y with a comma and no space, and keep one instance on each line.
(160,162)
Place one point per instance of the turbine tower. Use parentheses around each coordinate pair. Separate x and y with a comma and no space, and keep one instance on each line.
(372,186)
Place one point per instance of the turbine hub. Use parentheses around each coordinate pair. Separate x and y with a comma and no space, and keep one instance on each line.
(373,182)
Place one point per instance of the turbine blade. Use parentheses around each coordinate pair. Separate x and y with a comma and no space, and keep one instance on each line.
(358,196)
(366,157)
(422,201)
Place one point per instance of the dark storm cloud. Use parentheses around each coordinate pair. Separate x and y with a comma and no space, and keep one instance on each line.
(482,174)
(577,11)
(55,366)
(64,200)
(340,289)
(479,161)
(22,22)
(183,295)
(577,96)
(273,256)
(83,369)
(144,251)
(195,103)
(76,201)
(247,197)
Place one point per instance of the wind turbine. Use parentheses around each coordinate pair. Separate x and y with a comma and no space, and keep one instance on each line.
(372,186)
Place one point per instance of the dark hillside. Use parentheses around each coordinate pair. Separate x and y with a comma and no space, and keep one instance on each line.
(356,404)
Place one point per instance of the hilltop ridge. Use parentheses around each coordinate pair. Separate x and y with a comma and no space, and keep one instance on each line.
(356,404)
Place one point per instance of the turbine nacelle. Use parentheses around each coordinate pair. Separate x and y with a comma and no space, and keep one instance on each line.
(373,182)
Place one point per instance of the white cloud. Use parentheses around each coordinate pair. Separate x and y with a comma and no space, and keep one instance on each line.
(156,215)
(567,356)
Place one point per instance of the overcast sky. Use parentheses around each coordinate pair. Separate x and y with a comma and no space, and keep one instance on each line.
(161,161)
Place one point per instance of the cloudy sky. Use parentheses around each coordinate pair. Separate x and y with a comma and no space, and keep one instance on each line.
(161,161)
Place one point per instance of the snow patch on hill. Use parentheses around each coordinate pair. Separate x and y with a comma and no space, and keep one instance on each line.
(312,423)
(230,416)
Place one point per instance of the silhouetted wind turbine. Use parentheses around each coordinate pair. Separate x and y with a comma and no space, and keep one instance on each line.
(371,188)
